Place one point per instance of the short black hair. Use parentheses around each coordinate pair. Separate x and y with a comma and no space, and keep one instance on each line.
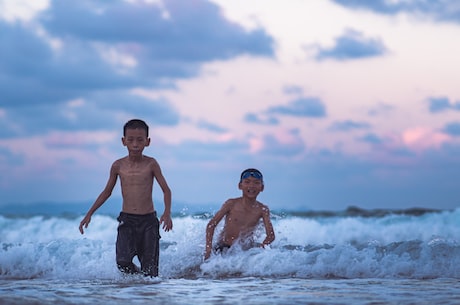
(134,124)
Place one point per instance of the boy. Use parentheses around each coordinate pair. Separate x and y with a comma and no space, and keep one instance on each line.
(139,228)
(242,215)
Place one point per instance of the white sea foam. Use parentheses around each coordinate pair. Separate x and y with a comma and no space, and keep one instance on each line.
(393,246)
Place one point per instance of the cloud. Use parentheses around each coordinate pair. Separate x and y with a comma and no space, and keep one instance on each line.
(302,107)
(192,31)
(46,77)
(293,89)
(104,111)
(208,151)
(259,119)
(349,125)
(283,144)
(423,138)
(440,104)
(211,127)
(115,45)
(406,143)
(352,45)
(439,10)
(371,138)
(452,129)
(122,104)
(381,109)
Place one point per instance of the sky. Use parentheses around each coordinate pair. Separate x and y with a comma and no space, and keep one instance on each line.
(338,102)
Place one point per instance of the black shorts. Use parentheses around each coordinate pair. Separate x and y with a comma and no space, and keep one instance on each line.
(221,247)
(138,235)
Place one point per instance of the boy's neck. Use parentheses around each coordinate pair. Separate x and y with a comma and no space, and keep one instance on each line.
(249,201)
(135,158)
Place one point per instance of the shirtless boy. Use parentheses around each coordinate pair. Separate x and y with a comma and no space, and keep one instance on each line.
(242,215)
(139,228)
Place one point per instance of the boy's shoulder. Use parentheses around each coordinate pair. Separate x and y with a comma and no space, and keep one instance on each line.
(231,202)
(262,206)
(126,159)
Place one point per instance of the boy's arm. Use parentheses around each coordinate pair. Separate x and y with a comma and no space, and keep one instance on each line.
(268,227)
(103,196)
(165,219)
(212,224)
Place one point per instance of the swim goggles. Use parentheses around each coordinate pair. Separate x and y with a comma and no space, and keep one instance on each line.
(252,173)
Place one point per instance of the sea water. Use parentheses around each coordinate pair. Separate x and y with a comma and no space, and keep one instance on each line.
(367,257)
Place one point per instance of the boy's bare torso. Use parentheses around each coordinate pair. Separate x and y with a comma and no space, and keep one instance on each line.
(137,178)
(241,219)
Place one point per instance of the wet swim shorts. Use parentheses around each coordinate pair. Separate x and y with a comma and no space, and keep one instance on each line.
(138,235)
(221,247)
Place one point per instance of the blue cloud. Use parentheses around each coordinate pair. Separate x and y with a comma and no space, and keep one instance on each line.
(258,119)
(273,147)
(202,151)
(195,30)
(439,104)
(380,109)
(31,74)
(439,10)
(371,138)
(302,107)
(102,111)
(452,129)
(349,125)
(292,89)
(211,127)
(352,45)
(165,49)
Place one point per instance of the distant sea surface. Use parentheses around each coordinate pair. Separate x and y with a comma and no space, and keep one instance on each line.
(353,256)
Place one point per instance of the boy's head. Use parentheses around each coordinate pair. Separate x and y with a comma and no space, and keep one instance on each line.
(136,124)
(252,172)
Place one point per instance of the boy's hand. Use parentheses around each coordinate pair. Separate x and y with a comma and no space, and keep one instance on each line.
(85,222)
(166,220)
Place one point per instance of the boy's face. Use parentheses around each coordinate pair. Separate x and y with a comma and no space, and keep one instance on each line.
(251,186)
(135,140)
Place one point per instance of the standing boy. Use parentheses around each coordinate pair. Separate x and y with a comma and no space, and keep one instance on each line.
(242,215)
(139,228)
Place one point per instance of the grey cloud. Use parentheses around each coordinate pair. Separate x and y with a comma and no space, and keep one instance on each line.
(165,49)
(195,30)
(200,151)
(380,109)
(439,104)
(352,45)
(273,147)
(98,112)
(260,119)
(292,89)
(439,10)
(211,127)
(348,125)
(452,129)
(372,139)
(302,107)
(31,74)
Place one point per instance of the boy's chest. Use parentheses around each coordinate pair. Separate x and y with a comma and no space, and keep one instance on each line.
(244,216)
(135,174)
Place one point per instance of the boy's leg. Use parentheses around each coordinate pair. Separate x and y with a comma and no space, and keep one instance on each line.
(149,252)
(125,246)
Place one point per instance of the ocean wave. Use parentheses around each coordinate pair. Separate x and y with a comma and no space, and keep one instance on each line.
(67,259)
(391,246)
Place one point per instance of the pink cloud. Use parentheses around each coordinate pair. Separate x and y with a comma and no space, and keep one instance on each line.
(423,138)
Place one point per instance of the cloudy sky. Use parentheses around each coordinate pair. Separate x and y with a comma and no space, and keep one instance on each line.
(337,102)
